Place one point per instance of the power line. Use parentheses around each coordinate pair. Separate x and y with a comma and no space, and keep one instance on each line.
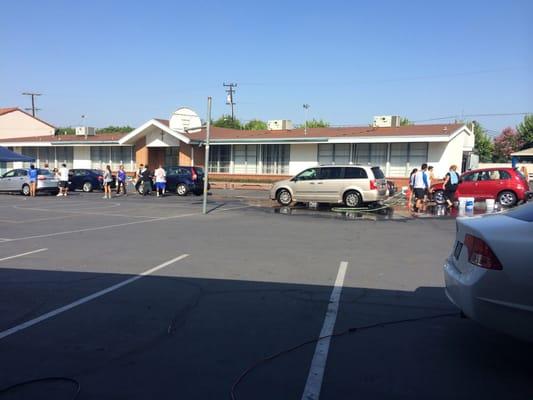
(32,94)
(229,98)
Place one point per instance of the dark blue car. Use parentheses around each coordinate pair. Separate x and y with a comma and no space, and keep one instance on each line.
(87,179)
(185,180)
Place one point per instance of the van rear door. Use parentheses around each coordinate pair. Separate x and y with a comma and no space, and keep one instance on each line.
(381,182)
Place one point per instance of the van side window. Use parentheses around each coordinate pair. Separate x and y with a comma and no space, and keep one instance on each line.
(355,173)
(331,173)
(308,174)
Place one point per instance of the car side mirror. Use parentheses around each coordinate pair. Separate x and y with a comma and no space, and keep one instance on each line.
(295,179)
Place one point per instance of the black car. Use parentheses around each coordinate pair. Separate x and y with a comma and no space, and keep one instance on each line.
(87,179)
(185,180)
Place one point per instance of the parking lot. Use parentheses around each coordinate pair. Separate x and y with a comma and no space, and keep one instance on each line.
(139,298)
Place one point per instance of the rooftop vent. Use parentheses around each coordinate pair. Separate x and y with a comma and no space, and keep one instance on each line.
(386,121)
(85,131)
(279,125)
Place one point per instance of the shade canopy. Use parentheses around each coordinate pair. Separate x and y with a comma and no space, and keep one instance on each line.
(7,155)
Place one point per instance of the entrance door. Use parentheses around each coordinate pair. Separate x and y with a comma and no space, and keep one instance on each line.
(156,157)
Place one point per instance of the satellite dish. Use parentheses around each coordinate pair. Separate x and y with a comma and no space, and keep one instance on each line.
(185,120)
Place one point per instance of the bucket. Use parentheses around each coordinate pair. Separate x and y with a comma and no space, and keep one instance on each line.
(489,203)
(469,206)
(462,203)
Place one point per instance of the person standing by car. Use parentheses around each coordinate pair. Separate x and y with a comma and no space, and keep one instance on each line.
(420,187)
(33,180)
(160,180)
(121,180)
(63,180)
(107,178)
(451,180)
(138,177)
(146,179)
(411,189)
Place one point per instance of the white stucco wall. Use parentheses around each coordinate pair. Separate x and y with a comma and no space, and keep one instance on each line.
(82,157)
(303,156)
(18,124)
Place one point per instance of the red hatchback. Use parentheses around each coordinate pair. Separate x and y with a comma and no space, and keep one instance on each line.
(505,185)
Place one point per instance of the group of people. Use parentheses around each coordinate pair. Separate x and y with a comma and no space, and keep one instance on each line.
(61,174)
(144,177)
(420,186)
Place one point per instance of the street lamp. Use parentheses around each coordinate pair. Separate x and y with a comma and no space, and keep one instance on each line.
(306,106)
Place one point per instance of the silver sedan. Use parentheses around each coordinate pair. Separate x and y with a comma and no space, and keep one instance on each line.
(17,180)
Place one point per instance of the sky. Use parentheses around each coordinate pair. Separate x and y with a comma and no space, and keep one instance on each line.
(123,62)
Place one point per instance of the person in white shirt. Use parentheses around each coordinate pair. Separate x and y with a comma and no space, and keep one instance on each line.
(420,187)
(63,180)
(160,180)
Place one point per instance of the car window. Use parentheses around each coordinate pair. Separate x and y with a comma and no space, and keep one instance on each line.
(184,171)
(355,173)
(44,172)
(308,174)
(331,173)
(504,174)
(80,172)
(472,177)
(378,173)
(21,172)
(9,174)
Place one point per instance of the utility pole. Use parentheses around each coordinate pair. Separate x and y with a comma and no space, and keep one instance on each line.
(33,109)
(206,167)
(229,98)
(306,106)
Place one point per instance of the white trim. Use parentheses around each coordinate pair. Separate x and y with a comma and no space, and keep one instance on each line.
(391,139)
(153,122)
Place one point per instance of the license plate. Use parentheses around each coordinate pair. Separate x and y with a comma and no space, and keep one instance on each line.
(457,251)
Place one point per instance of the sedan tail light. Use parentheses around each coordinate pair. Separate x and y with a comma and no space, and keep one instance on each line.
(480,254)
(41,177)
(194,174)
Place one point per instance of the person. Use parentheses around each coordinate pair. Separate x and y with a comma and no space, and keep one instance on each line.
(451,180)
(32,173)
(160,180)
(146,179)
(525,172)
(420,186)
(138,177)
(411,188)
(431,178)
(107,178)
(63,180)
(121,180)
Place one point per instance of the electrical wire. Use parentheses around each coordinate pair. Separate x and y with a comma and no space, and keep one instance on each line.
(46,379)
(334,335)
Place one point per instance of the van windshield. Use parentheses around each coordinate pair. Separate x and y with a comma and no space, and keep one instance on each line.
(378,173)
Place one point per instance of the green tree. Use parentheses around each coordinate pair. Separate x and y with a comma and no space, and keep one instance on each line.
(315,123)
(113,129)
(225,121)
(65,130)
(483,145)
(255,125)
(525,131)
(405,121)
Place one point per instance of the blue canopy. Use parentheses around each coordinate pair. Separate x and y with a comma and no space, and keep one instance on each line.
(7,155)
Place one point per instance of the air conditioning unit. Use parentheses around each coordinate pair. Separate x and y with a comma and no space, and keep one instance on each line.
(85,131)
(279,125)
(386,121)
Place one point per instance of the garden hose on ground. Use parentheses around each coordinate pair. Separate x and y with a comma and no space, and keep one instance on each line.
(395,200)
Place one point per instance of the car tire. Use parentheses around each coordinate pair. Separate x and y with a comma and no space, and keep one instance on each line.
(87,187)
(352,199)
(25,190)
(507,198)
(438,197)
(284,197)
(182,190)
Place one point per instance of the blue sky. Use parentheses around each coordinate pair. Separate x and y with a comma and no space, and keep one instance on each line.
(123,62)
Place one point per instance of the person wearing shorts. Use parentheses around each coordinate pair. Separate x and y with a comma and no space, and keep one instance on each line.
(160,181)
(63,180)
(420,187)
(32,174)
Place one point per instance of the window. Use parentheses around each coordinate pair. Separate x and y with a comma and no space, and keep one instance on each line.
(120,155)
(172,155)
(9,174)
(355,173)
(331,173)
(504,174)
(65,155)
(245,158)
(338,153)
(308,174)
(378,154)
(362,153)
(470,177)
(378,173)
(418,154)
(219,158)
(398,159)
(275,158)
(100,156)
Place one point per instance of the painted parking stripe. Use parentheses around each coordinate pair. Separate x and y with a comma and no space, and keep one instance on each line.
(318,365)
(23,254)
(86,299)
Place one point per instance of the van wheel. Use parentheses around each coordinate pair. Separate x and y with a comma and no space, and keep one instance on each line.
(352,199)
(507,198)
(25,190)
(87,187)
(181,189)
(284,197)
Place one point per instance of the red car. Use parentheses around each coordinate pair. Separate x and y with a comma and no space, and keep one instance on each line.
(505,185)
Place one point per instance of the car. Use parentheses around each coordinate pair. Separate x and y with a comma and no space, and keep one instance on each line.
(184,180)
(87,179)
(350,184)
(17,180)
(489,274)
(505,185)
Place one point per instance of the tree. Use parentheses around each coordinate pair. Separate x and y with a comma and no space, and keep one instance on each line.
(525,131)
(483,145)
(113,129)
(255,125)
(225,121)
(315,123)
(405,121)
(506,143)
(65,130)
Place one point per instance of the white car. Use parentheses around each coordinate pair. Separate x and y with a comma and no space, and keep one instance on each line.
(489,274)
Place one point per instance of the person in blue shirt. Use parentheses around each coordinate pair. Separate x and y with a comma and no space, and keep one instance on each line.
(121,180)
(32,173)
(450,185)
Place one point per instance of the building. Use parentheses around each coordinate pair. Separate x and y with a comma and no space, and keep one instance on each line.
(260,155)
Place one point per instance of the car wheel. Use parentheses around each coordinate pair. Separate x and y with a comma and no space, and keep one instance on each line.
(352,199)
(438,197)
(25,190)
(507,198)
(181,189)
(284,197)
(87,187)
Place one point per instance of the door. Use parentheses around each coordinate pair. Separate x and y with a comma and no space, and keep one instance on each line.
(21,177)
(330,184)
(7,182)
(305,185)
(474,184)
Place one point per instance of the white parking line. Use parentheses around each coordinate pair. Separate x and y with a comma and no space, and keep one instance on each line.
(86,299)
(23,254)
(318,365)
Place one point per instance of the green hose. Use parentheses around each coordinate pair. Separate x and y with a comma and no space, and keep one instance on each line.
(358,209)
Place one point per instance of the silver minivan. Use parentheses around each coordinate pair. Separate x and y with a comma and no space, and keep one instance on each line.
(352,185)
